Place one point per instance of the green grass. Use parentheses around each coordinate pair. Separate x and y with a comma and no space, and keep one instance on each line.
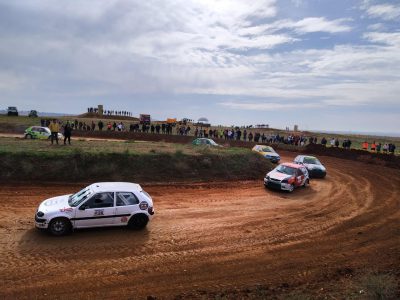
(39,147)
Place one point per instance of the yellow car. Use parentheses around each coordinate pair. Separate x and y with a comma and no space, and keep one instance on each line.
(268,152)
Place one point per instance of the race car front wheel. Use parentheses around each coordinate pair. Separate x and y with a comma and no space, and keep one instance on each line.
(306,183)
(138,221)
(60,226)
(291,188)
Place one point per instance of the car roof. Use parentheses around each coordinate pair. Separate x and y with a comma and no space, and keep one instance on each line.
(292,165)
(115,187)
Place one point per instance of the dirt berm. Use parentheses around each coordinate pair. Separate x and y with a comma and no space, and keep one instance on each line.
(78,167)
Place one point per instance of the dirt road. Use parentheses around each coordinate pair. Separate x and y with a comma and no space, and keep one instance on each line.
(210,237)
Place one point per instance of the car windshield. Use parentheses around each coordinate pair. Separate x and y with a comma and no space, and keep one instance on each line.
(311,160)
(286,170)
(268,149)
(79,197)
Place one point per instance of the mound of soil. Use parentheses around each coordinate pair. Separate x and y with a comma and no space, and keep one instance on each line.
(381,159)
(158,167)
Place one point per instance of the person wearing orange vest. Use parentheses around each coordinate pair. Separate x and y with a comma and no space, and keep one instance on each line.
(373,146)
(365,145)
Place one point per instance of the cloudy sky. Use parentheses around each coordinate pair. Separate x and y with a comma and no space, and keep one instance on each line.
(321,64)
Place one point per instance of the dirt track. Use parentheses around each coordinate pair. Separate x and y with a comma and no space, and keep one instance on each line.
(210,237)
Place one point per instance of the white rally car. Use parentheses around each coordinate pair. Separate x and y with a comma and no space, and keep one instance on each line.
(99,204)
(287,176)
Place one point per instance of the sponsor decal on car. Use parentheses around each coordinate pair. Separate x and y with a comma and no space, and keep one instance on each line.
(66,209)
(124,219)
(143,205)
(99,212)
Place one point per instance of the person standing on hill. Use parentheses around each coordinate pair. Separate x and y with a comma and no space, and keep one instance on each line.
(100,125)
(54,129)
(391,148)
(67,133)
(378,147)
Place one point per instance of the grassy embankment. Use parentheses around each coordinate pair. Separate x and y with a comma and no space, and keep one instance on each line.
(125,161)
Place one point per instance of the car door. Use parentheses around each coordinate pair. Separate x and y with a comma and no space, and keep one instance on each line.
(99,210)
(299,177)
(127,203)
(35,132)
(43,134)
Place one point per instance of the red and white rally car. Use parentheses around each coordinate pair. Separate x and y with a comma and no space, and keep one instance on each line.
(287,176)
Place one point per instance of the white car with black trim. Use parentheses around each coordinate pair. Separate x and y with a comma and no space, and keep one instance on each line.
(313,165)
(97,205)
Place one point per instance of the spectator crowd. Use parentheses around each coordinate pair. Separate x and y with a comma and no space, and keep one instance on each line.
(236,133)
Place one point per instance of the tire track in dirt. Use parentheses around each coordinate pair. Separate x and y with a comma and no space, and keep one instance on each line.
(209,236)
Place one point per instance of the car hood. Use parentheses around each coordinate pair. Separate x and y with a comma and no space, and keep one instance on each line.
(270,154)
(55,204)
(278,175)
(313,166)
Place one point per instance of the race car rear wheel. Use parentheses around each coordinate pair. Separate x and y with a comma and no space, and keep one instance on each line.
(138,221)
(60,226)
(306,183)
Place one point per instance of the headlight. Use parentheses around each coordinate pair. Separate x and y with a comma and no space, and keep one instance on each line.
(285,181)
(40,214)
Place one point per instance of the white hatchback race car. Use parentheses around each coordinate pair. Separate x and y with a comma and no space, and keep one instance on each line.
(99,204)
(286,177)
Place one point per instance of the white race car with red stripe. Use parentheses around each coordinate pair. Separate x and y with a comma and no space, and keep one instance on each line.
(287,176)
(97,205)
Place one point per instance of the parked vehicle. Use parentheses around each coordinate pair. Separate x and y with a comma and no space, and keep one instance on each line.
(205,141)
(38,132)
(314,167)
(12,111)
(33,114)
(268,152)
(287,176)
(97,205)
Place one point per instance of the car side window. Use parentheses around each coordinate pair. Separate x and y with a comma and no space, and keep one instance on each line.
(126,198)
(100,200)
(299,172)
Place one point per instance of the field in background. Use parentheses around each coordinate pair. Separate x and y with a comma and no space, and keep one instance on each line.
(19,124)
(16,145)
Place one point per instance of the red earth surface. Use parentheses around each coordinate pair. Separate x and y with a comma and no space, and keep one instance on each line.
(211,237)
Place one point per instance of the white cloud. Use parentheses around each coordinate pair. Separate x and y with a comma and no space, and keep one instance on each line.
(384,11)
(200,47)
(389,38)
(303,26)
(268,106)
(308,25)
